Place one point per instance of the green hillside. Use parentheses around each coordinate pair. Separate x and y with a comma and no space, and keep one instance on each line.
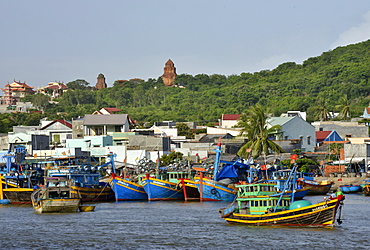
(318,85)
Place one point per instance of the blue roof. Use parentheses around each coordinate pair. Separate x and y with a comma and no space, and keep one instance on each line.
(333,136)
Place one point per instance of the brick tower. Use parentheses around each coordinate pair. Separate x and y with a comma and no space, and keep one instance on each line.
(169,74)
(100,84)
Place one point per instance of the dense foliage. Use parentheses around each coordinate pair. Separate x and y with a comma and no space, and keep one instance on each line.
(336,81)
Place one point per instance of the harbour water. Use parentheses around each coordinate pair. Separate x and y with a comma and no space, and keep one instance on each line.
(174,225)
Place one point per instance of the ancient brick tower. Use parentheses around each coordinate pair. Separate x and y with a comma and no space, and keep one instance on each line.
(100,84)
(169,74)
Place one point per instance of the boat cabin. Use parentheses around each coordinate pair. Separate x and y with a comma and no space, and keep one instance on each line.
(262,205)
(258,189)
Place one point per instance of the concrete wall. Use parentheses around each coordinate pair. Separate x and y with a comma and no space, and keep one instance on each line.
(343,128)
(77,128)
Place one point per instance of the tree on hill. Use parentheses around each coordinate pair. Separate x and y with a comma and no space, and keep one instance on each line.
(345,108)
(78,84)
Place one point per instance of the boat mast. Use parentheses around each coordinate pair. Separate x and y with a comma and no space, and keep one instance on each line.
(217,161)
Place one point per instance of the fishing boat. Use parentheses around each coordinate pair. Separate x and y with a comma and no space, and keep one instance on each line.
(84,179)
(222,186)
(254,208)
(190,190)
(20,181)
(307,180)
(347,189)
(163,186)
(125,189)
(56,197)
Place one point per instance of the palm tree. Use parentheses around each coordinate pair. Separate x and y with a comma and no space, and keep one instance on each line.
(321,110)
(345,108)
(255,128)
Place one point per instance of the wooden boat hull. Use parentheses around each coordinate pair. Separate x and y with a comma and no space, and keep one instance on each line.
(350,188)
(318,215)
(190,190)
(57,205)
(125,190)
(211,190)
(317,189)
(19,195)
(157,189)
(94,194)
(86,208)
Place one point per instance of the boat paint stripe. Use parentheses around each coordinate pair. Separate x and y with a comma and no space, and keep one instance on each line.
(133,189)
(18,189)
(86,193)
(128,182)
(329,203)
(155,184)
(167,182)
(278,219)
(218,187)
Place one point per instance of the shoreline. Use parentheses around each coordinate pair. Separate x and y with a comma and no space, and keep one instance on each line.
(342,181)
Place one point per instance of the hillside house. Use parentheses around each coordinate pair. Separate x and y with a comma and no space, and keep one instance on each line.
(328,136)
(105,124)
(14,91)
(229,120)
(106,111)
(344,129)
(301,114)
(295,128)
(57,130)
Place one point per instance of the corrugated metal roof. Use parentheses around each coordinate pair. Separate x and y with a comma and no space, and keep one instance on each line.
(113,119)
(321,135)
(279,120)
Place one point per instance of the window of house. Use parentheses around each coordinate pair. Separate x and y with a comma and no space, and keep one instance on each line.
(348,136)
(309,140)
(69,136)
(117,129)
(56,138)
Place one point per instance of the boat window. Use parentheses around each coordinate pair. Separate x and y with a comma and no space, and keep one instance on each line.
(265,203)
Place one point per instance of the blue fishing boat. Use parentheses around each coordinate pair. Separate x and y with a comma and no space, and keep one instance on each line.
(350,188)
(161,188)
(20,180)
(222,186)
(84,178)
(126,190)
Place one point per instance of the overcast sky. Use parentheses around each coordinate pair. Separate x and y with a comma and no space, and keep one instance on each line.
(43,41)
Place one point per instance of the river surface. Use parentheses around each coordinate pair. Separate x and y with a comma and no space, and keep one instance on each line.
(174,225)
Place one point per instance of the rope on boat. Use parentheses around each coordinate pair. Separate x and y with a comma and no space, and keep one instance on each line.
(106,184)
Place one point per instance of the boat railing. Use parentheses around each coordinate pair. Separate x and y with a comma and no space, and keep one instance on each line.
(288,182)
(34,196)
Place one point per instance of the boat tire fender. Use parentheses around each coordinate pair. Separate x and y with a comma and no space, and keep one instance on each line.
(213,191)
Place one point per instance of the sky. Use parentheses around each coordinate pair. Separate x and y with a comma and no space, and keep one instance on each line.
(42,41)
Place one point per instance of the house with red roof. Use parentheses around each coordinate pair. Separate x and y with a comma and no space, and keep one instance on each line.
(13,92)
(58,131)
(229,120)
(328,137)
(54,89)
(106,111)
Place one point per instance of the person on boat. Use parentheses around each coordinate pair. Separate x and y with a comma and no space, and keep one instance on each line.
(339,194)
